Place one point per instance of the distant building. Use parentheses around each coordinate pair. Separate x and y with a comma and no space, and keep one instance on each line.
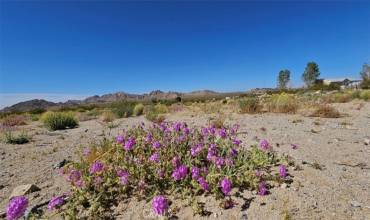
(342,82)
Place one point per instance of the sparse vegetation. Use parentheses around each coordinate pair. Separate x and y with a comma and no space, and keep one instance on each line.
(14,120)
(59,120)
(154,114)
(123,109)
(139,109)
(282,103)
(326,111)
(250,105)
(21,138)
(107,116)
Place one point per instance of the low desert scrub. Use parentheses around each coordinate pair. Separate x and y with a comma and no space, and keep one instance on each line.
(153,114)
(107,116)
(326,111)
(139,109)
(59,120)
(282,103)
(249,105)
(365,95)
(14,120)
(10,138)
(123,109)
(218,121)
(340,97)
(164,161)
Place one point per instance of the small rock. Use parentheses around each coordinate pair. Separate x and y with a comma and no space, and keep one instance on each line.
(60,164)
(284,186)
(23,190)
(215,215)
(355,204)
(344,169)
(367,141)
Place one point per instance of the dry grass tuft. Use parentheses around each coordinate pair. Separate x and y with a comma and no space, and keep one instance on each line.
(250,105)
(14,120)
(326,111)
(282,103)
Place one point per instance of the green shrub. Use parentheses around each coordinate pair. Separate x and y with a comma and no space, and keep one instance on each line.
(161,108)
(282,103)
(153,115)
(139,109)
(22,138)
(365,95)
(59,120)
(339,97)
(123,109)
(249,105)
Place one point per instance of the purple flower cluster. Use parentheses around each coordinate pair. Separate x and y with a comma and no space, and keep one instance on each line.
(120,139)
(226,186)
(129,144)
(176,161)
(180,172)
(154,158)
(16,207)
(96,167)
(123,176)
(160,205)
(56,202)
(222,133)
(74,177)
(262,189)
(195,150)
(156,145)
(264,145)
(282,171)
(195,173)
(203,183)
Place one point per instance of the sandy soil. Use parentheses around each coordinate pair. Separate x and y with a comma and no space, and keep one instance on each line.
(340,190)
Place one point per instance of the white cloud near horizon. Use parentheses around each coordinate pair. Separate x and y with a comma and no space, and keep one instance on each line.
(8,99)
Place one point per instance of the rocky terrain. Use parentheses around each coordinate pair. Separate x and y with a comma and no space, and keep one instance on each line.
(331,181)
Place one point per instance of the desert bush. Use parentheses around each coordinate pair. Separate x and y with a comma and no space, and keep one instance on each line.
(59,120)
(22,138)
(108,116)
(339,97)
(326,111)
(123,109)
(153,115)
(161,108)
(249,105)
(177,107)
(139,109)
(282,103)
(165,161)
(14,120)
(365,95)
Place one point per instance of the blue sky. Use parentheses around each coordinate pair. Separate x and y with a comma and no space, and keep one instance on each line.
(74,49)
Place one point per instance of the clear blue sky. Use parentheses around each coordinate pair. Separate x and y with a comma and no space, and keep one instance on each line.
(100,47)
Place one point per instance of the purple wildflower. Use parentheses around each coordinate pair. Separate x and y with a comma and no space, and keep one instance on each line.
(186,130)
(123,176)
(130,144)
(233,152)
(56,202)
(98,181)
(294,146)
(203,183)
(176,161)
(237,142)
(264,144)
(262,190)
(180,172)
(226,186)
(160,205)
(156,144)
(176,126)
(195,172)
(120,139)
(204,131)
(154,158)
(96,167)
(74,176)
(220,162)
(229,162)
(282,171)
(222,133)
(160,173)
(149,138)
(16,207)
(86,152)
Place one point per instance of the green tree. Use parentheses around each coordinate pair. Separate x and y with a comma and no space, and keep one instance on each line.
(365,74)
(311,73)
(283,79)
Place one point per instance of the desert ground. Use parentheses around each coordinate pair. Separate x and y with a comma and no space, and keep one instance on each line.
(331,179)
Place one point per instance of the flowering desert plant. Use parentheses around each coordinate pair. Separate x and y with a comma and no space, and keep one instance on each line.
(161,160)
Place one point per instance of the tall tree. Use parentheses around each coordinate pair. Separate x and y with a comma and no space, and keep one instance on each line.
(311,73)
(283,79)
(365,74)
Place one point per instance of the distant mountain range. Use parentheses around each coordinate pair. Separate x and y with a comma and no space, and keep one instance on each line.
(113,97)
